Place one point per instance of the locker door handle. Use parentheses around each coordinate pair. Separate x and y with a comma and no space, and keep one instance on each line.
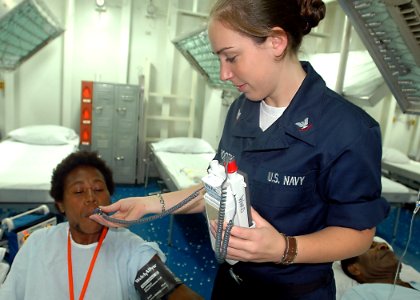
(121,109)
(119,157)
(99,108)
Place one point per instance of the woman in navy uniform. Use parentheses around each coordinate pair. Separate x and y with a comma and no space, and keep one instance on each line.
(312,158)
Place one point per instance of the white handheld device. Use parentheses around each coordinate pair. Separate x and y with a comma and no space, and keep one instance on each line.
(226,200)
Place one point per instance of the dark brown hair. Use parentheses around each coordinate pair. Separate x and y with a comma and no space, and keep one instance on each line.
(256,18)
(345,264)
(73,161)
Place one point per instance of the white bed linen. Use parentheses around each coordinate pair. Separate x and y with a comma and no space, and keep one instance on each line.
(185,169)
(26,169)
(409,170)
(395,192)
(362,77)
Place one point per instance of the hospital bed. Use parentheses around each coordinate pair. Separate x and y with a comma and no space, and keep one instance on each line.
(15,230)
(28,156)
(181,162)
(395,192)
(400,167)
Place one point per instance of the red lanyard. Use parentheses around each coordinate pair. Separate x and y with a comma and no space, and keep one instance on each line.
(92,264)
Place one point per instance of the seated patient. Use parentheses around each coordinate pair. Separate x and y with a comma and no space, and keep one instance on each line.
(82,259)
(376,269)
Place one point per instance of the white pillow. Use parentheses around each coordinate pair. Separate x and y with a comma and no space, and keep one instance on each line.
(183,145)
(44,135)
(342,281)
(392,155)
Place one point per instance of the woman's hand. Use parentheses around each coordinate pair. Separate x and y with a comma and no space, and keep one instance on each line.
(133,208)
(125,209)
(260,244)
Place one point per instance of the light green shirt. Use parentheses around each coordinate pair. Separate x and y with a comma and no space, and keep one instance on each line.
(382,291)
(39,270)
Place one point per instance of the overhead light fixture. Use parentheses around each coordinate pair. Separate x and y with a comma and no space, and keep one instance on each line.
(25,29)
(100,5)
(195,47)
(151,10)
(390,31)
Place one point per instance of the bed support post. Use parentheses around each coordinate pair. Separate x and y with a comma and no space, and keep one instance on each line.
(344,54)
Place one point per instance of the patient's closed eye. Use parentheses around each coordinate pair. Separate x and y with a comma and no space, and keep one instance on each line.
(78,191)
(97,187)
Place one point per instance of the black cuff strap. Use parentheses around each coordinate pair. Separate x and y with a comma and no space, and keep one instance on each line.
(155,280)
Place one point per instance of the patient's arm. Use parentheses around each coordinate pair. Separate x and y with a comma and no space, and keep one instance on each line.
(183,292)
(156,281)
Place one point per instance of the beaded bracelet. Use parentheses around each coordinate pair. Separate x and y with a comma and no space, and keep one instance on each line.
(162,202)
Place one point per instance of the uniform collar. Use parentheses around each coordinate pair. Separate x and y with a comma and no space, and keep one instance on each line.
(247,118)
(298,120)
(301,117)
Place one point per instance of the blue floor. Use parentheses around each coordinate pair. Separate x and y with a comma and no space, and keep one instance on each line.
(188,249)
(398,234)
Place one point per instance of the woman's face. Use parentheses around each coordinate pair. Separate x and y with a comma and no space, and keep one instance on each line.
(249,66)
(84,190)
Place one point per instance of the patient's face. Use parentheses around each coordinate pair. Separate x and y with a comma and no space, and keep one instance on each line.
(84,190)
(379,262)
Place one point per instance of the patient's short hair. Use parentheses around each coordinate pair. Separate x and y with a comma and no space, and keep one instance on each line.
(345,263)
(71,162)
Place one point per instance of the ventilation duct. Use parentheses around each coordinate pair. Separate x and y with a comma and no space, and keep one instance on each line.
(390,30)
(25,27)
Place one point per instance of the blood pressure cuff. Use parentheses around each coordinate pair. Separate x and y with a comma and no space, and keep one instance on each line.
(155,280)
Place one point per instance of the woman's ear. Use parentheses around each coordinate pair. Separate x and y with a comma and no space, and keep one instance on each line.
(279,41)
(60,206)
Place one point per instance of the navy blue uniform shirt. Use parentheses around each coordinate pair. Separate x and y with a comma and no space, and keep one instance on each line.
(318,165)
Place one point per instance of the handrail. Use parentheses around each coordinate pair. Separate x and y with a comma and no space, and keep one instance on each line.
(8,222)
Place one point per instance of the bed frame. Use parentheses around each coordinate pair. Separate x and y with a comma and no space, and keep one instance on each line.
(177,170)
(153,160)
(25,173)
(408,174)
(398,195)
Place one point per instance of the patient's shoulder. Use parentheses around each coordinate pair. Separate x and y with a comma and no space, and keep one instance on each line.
(125,241)
(126,238)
